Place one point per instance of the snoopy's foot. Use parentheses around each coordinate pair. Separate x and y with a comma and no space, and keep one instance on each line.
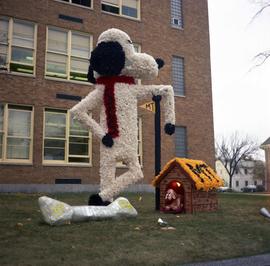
(96,200)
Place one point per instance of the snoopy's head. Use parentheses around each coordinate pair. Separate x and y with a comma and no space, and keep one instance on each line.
(115,55)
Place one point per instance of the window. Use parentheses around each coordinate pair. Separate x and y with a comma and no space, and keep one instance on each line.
(177,14)
(237,183)
(246,183)
(137,47)
(140,145)
(65,140)
(16,133)
(17,45)
(246,171)
(178,75)
(180,142)
(87,3)
(255,182)
(127,8)
(68,54)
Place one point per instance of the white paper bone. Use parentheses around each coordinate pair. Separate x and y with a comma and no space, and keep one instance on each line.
(55,212)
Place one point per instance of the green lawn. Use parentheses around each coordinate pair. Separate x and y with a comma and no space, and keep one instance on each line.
(236,229)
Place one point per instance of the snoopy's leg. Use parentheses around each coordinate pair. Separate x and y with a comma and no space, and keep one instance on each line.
(133,174)
(107,175)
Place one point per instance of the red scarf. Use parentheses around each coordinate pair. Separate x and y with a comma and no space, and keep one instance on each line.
(109,100)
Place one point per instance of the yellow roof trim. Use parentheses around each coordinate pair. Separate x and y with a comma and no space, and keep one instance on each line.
(203,175)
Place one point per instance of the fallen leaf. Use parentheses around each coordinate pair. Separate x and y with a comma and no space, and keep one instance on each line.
(168,228)
(19,225)
(137,228)
(28,219)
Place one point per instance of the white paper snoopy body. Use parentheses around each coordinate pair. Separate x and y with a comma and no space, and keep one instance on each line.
(114,65)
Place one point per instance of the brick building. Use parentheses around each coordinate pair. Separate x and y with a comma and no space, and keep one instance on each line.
(44,50)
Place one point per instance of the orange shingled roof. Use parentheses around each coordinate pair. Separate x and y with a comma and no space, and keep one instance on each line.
(203,175)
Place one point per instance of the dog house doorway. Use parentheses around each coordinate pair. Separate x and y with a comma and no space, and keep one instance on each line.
(174,201)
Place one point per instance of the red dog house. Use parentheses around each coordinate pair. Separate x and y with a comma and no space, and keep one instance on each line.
(188,186)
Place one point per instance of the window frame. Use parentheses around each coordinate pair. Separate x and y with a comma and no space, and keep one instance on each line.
(77,5)
(10,45)
(120,4)
(68,54)
(4,159)
(66,139)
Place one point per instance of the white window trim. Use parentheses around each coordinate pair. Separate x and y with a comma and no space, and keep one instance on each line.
(65,162)
(5,135)
(10,40)
(68,54)
(120,10)
(77,5)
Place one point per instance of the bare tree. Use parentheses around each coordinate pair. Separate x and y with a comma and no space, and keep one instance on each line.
(230,151)
(261,57)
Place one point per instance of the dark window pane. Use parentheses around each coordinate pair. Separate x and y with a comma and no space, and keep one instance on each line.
(111,9)
(82,2)
(54,149)
(22,55)
(14,67)
(78,146)
(78,160)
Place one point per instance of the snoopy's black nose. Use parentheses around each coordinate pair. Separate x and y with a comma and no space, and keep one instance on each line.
(160,63)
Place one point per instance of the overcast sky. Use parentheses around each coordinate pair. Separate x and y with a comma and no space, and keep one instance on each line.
(241,98)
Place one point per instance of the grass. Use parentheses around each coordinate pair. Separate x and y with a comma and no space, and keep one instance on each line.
(236,229)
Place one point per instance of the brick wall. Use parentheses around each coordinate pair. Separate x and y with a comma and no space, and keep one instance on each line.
(157,38)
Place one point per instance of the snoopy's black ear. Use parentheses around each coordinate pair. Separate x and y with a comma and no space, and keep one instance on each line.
(108,59)
(90,75)
(160,63)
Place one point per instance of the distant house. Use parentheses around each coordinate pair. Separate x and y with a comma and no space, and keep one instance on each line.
(243,177)
(266,147)
(222,172)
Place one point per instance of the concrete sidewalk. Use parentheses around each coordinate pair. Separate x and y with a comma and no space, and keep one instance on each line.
(259,260)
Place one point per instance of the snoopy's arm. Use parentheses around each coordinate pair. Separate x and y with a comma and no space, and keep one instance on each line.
(166,91)
(80,112)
